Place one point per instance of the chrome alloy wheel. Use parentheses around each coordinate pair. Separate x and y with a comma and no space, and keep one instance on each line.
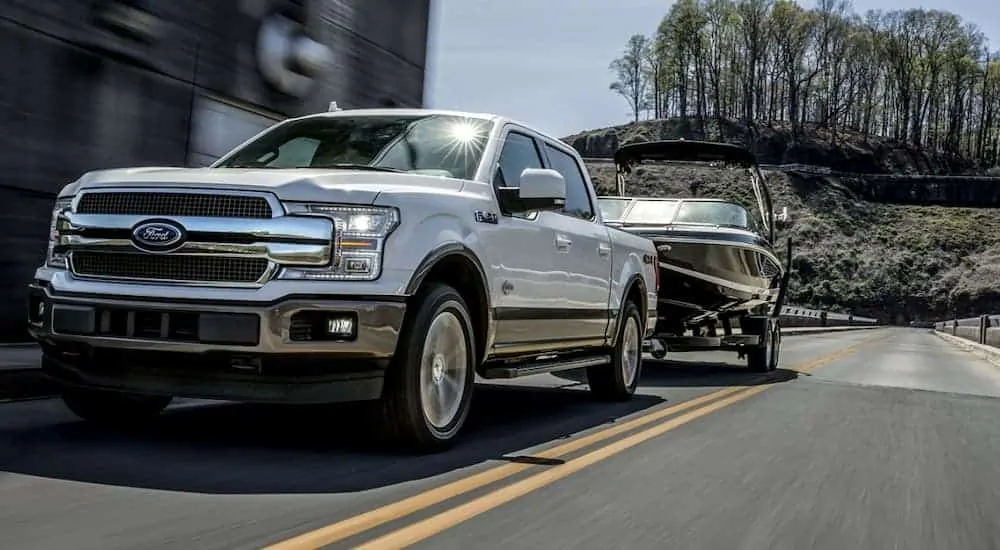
(443,370)
(631,350)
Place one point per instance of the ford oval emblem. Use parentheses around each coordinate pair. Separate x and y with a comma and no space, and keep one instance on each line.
(158,236)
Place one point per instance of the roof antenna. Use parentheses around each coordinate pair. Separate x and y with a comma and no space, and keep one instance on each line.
(334,107)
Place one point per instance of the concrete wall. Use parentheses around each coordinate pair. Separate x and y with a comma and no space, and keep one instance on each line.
(90,84)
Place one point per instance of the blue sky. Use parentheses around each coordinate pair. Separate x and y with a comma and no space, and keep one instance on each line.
(545,62)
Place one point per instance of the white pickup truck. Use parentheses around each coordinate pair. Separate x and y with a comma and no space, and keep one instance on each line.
(383,254)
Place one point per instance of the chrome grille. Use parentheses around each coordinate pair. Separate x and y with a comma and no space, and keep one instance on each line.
(180,268)
(174,204)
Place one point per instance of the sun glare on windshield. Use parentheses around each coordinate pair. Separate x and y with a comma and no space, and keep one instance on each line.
(463,141)
(466,131)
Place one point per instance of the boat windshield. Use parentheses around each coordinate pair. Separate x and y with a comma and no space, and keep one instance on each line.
(612,210)
(713,213)
(443,145)
(652,212)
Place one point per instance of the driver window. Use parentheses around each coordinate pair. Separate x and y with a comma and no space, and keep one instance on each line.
(519,152)
(296,152)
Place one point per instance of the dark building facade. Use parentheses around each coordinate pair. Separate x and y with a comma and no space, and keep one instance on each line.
(92,84)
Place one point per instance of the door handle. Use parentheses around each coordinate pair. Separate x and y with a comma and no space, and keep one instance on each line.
(604,249)
(563,242)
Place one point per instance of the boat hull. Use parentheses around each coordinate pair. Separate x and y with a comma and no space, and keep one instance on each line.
(706,274)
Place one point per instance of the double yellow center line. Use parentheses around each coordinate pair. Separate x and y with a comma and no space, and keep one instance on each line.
(416,532)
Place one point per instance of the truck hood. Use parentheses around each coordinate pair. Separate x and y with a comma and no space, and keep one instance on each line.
(307,185)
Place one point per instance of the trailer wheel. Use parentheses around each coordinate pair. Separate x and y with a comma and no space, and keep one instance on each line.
(618,380)
(764,358)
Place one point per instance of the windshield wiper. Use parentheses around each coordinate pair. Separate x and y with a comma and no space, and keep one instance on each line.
(348,166)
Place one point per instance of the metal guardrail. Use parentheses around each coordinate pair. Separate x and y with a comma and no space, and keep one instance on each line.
(982,329)
(797,316)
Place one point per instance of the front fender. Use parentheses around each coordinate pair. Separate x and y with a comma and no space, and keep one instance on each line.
(416,243)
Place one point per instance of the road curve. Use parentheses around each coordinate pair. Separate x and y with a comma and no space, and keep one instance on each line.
(867,439)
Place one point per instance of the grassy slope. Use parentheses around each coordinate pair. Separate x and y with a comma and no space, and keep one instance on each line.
(890,261)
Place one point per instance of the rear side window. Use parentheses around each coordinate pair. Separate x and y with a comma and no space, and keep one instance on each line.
(577,197)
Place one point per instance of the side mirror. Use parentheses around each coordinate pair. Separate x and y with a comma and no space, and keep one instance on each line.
(782,220)
(540,189)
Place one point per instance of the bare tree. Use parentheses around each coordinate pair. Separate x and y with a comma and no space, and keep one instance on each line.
(631,78)
(917,75)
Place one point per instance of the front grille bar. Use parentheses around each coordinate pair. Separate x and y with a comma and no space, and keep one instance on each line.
(161,203)
(170,268)
(233,238)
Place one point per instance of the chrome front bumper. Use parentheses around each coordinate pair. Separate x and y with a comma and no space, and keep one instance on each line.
(217,350)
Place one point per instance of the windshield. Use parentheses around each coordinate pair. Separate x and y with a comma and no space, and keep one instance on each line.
(443,145)
(714,213)
(652,212)
(612,209)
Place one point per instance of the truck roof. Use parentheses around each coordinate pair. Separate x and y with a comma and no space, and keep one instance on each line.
(390,111)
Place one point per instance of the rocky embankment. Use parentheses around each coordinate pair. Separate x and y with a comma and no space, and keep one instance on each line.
(875,169)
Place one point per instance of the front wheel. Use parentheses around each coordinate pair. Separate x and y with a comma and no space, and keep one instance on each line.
(112,409)
(428,386)
(618,381)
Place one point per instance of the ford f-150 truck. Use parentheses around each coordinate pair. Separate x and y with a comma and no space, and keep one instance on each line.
(383,254)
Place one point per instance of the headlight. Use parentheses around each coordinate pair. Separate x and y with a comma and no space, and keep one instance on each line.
(56,256)
(358,241)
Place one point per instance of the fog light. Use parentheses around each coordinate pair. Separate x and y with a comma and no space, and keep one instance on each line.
(358,265)
(340,326)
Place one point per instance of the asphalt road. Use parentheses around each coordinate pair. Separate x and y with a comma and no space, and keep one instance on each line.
(869,439)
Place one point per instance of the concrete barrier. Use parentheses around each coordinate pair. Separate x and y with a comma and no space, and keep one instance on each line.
(982,329)
(990,353)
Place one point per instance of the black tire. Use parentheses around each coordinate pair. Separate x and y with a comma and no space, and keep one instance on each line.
(615,382)
(765,357)
(113,409)
(406,424)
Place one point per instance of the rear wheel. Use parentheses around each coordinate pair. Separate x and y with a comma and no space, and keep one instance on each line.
(618,380)
(428,386)
(113,409)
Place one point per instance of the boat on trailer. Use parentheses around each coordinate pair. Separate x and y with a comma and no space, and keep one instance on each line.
(718,266)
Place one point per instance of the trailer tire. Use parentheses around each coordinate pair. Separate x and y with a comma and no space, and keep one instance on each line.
(764,358)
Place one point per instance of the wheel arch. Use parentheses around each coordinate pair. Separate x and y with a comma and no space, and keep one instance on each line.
(635,289)
(456,264)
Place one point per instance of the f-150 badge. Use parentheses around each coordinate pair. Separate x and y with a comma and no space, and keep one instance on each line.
(485,217)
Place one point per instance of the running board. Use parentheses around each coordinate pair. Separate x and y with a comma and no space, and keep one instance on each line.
(542,367)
